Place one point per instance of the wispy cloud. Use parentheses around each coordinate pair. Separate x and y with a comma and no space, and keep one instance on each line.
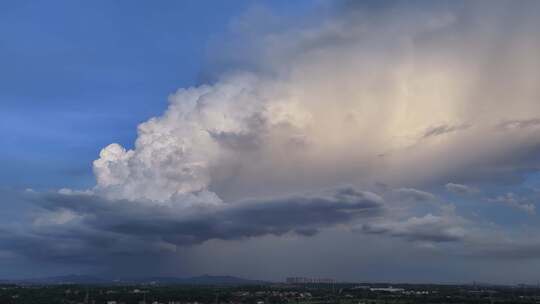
(461,189)
(515,201)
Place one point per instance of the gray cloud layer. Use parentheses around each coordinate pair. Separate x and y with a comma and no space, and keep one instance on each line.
(427,228)
(77,226)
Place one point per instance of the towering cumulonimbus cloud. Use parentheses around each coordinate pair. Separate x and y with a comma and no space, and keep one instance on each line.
(173,153)
(418,97)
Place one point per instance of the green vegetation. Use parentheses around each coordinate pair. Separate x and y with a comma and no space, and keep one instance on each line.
(265,294)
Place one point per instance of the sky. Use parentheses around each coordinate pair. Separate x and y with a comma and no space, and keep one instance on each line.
(359,140)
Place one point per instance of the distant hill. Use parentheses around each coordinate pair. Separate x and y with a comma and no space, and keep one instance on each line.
(86,279)
(67,279)
(203,280)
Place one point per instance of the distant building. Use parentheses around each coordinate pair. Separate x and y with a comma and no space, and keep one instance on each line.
(305,280)
(365,287)
(388,289)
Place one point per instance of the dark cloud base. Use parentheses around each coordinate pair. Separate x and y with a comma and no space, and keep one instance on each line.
(83,228)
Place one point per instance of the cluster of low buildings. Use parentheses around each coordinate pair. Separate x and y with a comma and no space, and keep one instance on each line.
(391,289)
(306,280)
(273,293)
(143,302)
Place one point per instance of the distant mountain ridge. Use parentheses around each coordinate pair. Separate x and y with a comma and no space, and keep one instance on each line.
(88,279)
(207,280)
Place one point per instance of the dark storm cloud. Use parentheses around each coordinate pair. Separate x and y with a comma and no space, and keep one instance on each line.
(444,129)
(252,139)
(236,141)
(519,124)
(460,189)
(410,194)
(429,228)
(518,250)
(85,227)
(509,166)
